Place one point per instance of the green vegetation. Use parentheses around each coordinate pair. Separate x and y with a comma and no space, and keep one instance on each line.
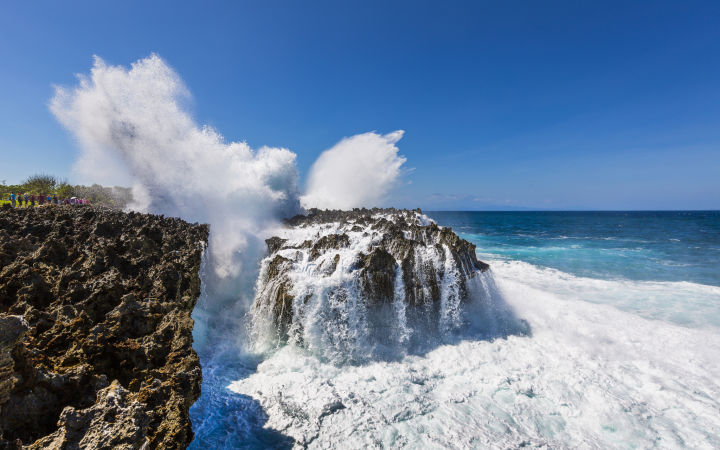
(40,183)
(116,197)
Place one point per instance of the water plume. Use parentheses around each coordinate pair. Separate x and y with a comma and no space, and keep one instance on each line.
(358,171)
(179,168)
(133,124)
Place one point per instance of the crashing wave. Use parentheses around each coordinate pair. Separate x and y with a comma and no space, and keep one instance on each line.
(372,283)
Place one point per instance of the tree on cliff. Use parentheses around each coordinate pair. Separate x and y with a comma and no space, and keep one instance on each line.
(40,183)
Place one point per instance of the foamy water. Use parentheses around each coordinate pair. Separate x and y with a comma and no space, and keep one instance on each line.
(591,376)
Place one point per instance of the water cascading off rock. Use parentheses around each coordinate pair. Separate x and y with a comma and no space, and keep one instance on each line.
(353,285)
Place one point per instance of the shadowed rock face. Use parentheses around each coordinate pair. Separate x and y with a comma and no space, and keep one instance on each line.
(385,254)
(96,334)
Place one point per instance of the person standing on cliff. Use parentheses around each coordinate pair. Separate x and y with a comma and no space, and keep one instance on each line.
(32,200)
(12,199)
(20,199)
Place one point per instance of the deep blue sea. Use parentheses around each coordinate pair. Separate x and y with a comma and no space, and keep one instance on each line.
(648,246)
(624,351)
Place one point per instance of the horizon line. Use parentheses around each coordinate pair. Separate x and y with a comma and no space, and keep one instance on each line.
(570,210)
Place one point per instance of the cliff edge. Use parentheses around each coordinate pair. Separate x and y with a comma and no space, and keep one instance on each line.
(96,328)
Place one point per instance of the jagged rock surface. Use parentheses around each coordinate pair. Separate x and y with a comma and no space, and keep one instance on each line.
(372,256)
(12,330)
(102,357)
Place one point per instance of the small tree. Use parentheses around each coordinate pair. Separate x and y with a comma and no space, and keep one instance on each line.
(64,190)
(40,183)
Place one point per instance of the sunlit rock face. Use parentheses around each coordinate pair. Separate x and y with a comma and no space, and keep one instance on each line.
(363,283)
(96,328)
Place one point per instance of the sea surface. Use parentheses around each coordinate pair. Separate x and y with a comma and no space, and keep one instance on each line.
(641,246)
(624,351)
(658,264)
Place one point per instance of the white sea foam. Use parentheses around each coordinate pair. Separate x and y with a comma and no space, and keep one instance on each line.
(682,303)
(590,376)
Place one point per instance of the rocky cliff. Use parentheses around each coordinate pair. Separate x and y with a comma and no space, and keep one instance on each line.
(95,328)
(361,281)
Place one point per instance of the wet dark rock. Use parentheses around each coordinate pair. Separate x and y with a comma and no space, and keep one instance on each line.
(282,307)
(334,241)
(401,239)
(274,244)
(377,275)
(95,328)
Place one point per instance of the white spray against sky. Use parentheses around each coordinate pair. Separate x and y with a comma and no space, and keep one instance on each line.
(358,171)
(133,121)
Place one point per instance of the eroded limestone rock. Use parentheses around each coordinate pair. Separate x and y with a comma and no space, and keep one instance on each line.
(107,298)
(113,422)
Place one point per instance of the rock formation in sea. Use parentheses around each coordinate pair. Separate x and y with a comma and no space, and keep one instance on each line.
(95,328)
(353,284)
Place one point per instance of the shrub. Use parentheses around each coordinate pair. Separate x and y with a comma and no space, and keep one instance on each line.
(40,183)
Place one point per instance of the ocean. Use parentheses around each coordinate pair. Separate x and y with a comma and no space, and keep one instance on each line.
(623,351)
(660,265)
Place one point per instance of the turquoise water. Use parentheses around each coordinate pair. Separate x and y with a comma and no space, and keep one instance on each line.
(641,246)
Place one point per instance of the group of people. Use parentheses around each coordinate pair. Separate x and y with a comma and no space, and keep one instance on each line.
(29,200)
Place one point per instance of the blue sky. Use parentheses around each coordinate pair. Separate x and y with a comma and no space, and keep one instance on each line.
(554,105)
